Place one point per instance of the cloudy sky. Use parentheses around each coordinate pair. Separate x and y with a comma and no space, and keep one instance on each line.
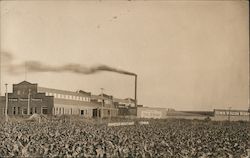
(188,55)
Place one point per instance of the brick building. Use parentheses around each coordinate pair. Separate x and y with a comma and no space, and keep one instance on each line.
(25,99)
(50,101)
(71,103)
(107,105)
(126,107)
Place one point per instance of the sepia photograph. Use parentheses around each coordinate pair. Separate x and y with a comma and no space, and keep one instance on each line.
(124,79)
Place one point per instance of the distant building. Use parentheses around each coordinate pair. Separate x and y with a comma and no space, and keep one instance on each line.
(152,112)
(231,115)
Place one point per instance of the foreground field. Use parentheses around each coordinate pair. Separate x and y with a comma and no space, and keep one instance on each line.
(161,138)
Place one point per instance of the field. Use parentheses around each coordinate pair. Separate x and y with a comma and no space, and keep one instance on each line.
(73,137)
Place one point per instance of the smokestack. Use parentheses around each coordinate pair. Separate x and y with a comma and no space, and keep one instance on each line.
(136,91)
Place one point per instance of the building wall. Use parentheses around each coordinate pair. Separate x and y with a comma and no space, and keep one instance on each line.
(2,105)
(232,115)
(19,106)
(109,112)
(63,109)
(146,112)
(71,103)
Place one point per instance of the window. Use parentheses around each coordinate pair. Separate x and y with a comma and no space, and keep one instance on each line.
(25,111)
(14,110)
(13,99)
(44,110)
(82,112)
(18,110)
(35,110)
(31,111)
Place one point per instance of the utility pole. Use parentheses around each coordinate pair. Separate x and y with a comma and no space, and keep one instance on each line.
(0,69)
(248,112)
(110,109)
(28,103)
(229,113)
(25,71)
(136,91)
(6,105)
(102,104)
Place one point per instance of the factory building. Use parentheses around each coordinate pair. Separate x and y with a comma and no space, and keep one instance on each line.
(71,103)
(25,99)
(106,102)
(126,107)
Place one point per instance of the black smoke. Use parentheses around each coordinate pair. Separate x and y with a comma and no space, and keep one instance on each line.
(36,66)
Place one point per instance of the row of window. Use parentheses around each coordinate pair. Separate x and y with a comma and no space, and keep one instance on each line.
(24,99)
(24,110)
(231,113)
(65,96)
(70,111)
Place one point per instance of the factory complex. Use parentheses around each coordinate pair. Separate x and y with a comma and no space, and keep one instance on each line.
(28,98)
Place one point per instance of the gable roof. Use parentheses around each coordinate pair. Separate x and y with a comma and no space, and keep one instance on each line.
(24,83)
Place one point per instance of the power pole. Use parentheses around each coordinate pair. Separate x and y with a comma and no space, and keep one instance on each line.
(28,103)
(110,109)
(136,91)
(229,113)
(25,71)
(6,105)
(102,104)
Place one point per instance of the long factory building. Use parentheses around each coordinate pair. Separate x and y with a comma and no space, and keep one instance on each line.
(28,98)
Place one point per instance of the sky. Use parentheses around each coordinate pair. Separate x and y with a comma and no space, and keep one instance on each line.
(188,55)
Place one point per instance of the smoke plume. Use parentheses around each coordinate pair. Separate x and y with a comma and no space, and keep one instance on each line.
(36,66)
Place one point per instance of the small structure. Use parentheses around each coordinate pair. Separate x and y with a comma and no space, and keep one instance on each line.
(152,112)
(230,115)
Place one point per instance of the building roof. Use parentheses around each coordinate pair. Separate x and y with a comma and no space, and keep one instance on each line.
(51,90)
(232,110)
(25,83)
(102,96)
